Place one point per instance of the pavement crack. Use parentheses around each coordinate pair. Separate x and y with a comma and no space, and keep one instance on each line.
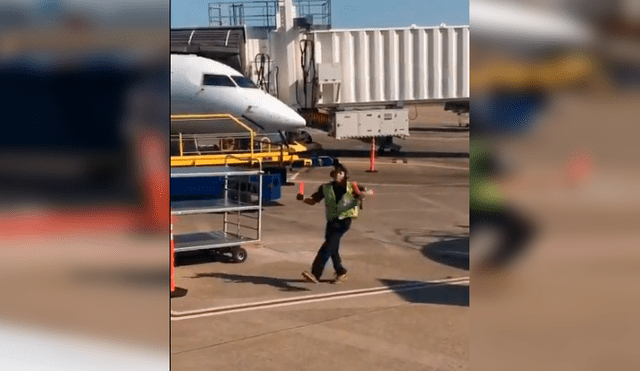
(393,244)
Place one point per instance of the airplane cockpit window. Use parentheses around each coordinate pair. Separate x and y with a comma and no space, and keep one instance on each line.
(217,80)
(244,82)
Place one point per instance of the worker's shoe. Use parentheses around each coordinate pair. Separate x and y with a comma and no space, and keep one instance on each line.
(310,277)
(340,278)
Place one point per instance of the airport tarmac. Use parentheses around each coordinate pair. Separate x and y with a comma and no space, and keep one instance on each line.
(405,305)
(571,302)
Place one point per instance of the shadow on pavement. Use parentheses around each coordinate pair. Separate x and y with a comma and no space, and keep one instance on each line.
(432,293)
(401,154)
(274,203)
(445,247)
(452,252)
(179,292)
(448,129)
(282,284)
(200,257)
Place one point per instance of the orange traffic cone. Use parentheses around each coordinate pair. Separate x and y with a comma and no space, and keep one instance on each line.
(372,161)
(173,247)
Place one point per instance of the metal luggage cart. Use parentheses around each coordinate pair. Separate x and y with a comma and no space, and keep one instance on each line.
(240,201)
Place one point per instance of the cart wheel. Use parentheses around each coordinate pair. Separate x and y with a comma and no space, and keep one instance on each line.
(239,255)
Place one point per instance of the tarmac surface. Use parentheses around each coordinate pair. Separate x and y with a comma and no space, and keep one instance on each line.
(571,301)
(405,305)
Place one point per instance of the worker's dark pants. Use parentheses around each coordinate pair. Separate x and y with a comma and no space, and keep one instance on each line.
(515,228)
(330,249)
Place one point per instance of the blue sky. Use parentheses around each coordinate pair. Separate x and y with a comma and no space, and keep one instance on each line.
(352,13)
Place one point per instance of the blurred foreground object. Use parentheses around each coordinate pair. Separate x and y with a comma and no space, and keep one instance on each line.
(83,171)
(497,231)
(559,119)
(82,101)
(521,56)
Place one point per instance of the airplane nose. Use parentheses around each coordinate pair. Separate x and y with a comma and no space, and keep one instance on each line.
(288,118)
(296,120)
(275,116)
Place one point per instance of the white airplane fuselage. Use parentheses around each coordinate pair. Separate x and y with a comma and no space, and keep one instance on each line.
(204,86)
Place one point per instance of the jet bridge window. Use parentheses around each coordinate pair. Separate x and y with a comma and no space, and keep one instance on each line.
(217,80)
(244,82)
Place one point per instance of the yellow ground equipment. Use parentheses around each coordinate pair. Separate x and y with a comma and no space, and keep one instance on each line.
(243,147)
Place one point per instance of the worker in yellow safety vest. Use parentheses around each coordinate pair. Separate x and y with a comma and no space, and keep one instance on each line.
(342,199)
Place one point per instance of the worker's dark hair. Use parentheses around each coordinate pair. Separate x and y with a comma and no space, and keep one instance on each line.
(337,167)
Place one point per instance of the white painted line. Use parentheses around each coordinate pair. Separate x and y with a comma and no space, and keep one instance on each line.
(307,299)
(423,164)
(294,176)
(438,166)
(390,184)
(463,213)
(465,138)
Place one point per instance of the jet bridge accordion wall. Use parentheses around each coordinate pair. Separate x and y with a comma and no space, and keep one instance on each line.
(371,66)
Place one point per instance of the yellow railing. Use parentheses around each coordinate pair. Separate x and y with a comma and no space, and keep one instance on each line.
(221,146)
(212,117)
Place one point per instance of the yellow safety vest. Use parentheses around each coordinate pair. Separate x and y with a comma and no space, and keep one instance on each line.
(346,208)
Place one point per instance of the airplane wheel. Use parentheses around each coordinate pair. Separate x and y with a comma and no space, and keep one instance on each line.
(305,137)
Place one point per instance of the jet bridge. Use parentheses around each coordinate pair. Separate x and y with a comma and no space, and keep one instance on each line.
(361,79)
(354,83)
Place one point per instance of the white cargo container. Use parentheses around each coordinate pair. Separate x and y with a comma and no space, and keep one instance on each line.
(371,123)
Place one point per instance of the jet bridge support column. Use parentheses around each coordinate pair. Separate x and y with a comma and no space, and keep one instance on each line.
(286,54)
